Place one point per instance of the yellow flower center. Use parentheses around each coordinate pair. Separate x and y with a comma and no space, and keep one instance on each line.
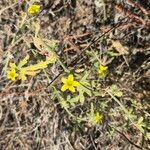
(69,83)
(11,74)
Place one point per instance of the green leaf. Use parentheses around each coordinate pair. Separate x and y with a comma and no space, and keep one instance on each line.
(73,100)
(148,135)
(53,44)
(23,62)
(93,55)
(140,128)
(12,65)
(84,77)
(83,88)
(140,120)
(64,104)
(112,53)
(116,91)
(85,84)
(82,98)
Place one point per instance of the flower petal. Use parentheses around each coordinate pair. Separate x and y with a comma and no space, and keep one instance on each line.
(64,88)
(12,65)
(33,9)
(98,118)
(70,78)
(72,89)
(103,68)
(64,80)
(75,83)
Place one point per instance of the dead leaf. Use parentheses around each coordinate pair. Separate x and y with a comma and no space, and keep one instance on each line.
(56,2)
(23,106)
(37,27)
(42,45)
(43,48)
(119,47)
(39,44)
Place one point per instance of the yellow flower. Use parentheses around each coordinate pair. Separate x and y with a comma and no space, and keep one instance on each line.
(103,70)
(98,118)
(34,9)
(69,83)
(22,71)
(11,74)
(12,65)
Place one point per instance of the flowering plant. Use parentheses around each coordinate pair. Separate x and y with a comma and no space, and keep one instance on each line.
(20,71)
(34,9)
